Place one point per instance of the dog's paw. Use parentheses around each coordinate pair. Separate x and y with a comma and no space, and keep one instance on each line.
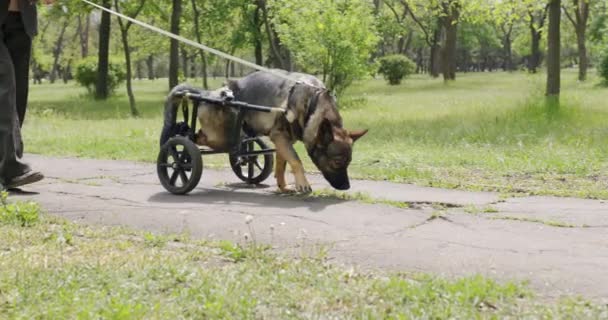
(303,188)
(285,189)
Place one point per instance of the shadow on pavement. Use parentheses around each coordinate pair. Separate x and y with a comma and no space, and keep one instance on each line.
(239,196)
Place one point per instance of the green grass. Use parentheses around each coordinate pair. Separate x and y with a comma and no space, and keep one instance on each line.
(54,269)
(486,131)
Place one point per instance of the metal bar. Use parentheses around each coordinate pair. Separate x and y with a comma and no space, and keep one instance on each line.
(235,139)
(210,151)
(223,102)
(195,106)
(256,153)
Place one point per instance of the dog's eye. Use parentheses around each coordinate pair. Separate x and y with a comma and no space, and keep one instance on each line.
(338,162)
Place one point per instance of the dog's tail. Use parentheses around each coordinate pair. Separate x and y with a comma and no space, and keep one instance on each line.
(170,117)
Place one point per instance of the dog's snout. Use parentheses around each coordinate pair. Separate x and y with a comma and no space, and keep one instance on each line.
(343,186)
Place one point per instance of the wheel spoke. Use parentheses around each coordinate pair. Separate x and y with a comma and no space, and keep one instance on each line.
(183,176)
(174,177)
(257,164)
(166,165)
(250,168)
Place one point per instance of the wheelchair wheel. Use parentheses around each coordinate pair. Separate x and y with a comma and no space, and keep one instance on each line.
(252,169)
(179,165)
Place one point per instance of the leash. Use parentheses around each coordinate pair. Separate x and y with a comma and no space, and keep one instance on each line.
(197,45)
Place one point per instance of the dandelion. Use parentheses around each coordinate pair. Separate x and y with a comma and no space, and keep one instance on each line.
(248,219)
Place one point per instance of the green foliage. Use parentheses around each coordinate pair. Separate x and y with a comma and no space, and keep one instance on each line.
(396,67)
(23,214)
(86,74)
(333,38)
(603,68)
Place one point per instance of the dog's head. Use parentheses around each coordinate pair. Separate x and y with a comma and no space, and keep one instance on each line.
(332,152)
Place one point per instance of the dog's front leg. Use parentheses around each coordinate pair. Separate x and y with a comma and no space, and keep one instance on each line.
(279,173)
(286,153)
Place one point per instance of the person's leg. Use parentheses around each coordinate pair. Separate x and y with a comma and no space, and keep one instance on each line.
(19,45)
(10,166)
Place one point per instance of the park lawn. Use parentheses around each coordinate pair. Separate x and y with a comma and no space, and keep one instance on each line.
(486,131)
(54,269)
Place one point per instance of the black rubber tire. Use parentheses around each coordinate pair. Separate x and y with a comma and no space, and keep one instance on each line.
(252,162)
(186,159)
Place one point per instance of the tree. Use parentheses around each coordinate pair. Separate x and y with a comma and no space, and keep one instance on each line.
(280,56)
(553,53)
(506,14)
(425,18)
(579,18)
(101,88)
(536,21)
(332,37)
(174,50)
(83,33)
(131,9)
(58,49)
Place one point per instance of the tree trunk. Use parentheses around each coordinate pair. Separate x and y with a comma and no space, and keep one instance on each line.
(140,70)
(229,64)
(435,58)
(83,32)
(579,21)
(536,33)
(507,44)
(257,35)
(124,36)
(451,11)
(279,55)
(535,55)
(57,50)
(125,44)
(449,53)
(150,67)
(553,53)
(199,38)
(67,72)
(184,62)
(101,87)
(174,51)
(583,63)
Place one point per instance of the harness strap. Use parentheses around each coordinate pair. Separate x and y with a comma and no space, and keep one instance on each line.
(312,107)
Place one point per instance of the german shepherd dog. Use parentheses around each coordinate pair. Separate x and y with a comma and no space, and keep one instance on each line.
(311,116)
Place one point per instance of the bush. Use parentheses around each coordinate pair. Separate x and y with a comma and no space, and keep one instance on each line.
(395,68)
(603,68)
(86,74)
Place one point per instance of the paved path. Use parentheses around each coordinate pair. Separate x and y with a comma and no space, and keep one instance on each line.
(426,238)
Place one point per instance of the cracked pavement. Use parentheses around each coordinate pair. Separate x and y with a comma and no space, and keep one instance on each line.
(518,242)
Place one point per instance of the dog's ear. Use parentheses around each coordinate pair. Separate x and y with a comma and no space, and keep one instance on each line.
(355,135)
(233,85)
(325,133)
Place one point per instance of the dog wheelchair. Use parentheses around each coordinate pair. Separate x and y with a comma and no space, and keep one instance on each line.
(180,160)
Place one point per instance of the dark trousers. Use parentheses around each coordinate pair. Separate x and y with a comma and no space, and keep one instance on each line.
(15,50)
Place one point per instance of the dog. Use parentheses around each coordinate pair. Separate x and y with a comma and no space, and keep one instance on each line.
(311,116)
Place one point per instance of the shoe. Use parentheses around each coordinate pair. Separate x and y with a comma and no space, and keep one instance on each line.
(24,179)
